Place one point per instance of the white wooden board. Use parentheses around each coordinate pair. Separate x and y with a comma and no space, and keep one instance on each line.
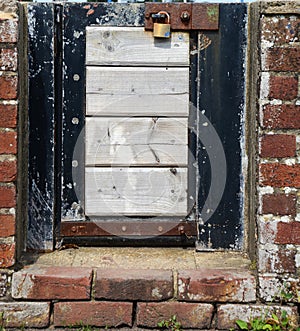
(137,81)
(137,105)
(137,155)
(132,46)
(136,141)
(144,91)
(136,191)
(136,130)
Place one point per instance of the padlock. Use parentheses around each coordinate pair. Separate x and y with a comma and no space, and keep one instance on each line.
(162,30)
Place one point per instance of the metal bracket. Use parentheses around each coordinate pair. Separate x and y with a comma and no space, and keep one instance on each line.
(185,16)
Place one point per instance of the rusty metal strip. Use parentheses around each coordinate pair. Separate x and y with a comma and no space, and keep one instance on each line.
(185,16)
(143,228)
(175,10)
(205,16)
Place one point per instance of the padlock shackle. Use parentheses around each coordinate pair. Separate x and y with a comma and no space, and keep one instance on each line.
(167,14)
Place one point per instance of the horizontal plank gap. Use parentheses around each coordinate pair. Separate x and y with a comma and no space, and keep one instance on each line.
(133,66)
(164,166)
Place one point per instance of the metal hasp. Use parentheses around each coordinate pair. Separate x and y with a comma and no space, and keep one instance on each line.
(185,16)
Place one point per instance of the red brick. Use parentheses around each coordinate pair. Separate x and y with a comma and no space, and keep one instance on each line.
(190,315)
(47,283)
(7,196)
(8,59)
(7,255)
(279,204)
(284,88)
(280,175)
(134,284)
(9,31)
(8,171)
(104,313)
(8,116)
(277,261)
(281,117)
(8,142)
(212,285)
(8,87)
(7,225)
(279,30)
(288,233)
(25,314)
(227,315)
(278,145)
(283,59)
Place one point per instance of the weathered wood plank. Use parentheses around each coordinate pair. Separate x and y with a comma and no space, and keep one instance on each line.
(134,46)
(41,126)
(138,91)
(137,105)
(136,130)
(136,191)
(137,155)
(136,141)
(137,80)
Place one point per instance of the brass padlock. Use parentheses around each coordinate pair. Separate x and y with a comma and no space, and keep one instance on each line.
(162,30)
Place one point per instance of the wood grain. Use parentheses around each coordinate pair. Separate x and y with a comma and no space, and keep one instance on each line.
(139,91)
(137,105)
(136,141)
(136,191)
(131,46)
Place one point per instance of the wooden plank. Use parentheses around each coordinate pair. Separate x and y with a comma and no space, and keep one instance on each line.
(136,105)
(136,141)
(41,126)
(137,155)
(129,81)
(136,130)
(136,191)
(130,46)
(139,91)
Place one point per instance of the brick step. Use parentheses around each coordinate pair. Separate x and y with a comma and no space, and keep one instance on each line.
(75,283)
(139,297)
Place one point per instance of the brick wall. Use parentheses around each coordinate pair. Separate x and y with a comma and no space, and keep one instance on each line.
(8,142)
(279,151)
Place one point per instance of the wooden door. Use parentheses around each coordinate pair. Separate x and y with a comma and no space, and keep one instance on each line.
(118,128)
